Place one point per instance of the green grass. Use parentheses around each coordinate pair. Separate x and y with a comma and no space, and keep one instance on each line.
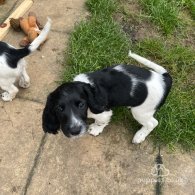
(96,44)
(164,13)
(190,5)
(175,57)
(100,42)
(103,8)
(176,119)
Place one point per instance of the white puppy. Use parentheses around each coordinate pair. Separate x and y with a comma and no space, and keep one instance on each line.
(13,65)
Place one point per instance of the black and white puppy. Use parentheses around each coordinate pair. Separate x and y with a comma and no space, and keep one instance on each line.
(94,94)
(13,65)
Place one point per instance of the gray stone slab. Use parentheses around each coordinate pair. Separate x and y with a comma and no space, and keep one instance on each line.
(21,134)
(108,164)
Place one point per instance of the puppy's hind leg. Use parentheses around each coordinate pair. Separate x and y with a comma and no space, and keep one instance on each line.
(10,92)
(101,121)
(147,120)
(24,80)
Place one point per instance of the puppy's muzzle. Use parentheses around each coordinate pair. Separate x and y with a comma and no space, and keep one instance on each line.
(74,131)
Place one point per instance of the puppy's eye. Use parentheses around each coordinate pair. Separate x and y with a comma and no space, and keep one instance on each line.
(81,105)
(59,108)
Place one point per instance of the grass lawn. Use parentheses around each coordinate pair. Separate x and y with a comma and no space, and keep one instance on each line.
(161,30)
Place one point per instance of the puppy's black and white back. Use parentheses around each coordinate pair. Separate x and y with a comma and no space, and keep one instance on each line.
(13,66)
(128,85)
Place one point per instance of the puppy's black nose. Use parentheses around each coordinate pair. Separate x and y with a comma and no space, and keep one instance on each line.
(75,131)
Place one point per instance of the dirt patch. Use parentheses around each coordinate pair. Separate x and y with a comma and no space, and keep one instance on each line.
(187,31)
(134,23)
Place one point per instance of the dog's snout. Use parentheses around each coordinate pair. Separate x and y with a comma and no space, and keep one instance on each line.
(71,131)
(75,131)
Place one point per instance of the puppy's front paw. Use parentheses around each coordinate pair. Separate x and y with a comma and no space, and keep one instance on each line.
(6,96)
(139,137)
(95,130)
(24,83)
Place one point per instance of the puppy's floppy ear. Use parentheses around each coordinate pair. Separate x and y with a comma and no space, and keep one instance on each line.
(97,98)
(50,122)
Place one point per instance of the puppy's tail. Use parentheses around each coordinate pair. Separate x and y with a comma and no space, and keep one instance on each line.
(42,37)
(157,68)
(21,53)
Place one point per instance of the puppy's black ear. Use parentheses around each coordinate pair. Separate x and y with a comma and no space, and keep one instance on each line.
(97,98)
(50,122)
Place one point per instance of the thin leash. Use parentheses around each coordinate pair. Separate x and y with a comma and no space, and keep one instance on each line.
(159,162)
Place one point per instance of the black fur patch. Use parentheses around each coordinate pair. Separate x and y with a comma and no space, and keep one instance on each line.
(13,55)
(118,86)
(138,72)
(168,83)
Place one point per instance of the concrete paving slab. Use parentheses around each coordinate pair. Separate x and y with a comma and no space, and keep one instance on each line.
(20,138)
(181,177)
(107,164)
